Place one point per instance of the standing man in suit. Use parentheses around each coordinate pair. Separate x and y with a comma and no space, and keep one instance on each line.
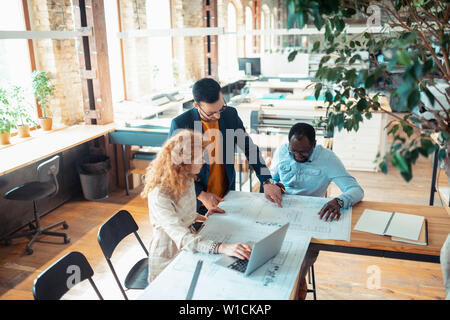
(221,126)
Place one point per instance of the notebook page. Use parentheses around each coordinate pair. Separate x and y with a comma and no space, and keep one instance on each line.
(422,237)
(373,221)
(405,226)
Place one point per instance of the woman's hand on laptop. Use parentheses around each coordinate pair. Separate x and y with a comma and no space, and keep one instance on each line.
(238,250)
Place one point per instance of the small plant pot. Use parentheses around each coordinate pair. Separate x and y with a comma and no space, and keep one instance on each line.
(24,131)
(4,138)
(46,123)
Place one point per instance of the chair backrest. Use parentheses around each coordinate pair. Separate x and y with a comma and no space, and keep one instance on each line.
(114,230)
(48,170)
(61,276)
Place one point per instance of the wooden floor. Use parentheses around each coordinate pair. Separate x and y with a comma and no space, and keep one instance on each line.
(338,276)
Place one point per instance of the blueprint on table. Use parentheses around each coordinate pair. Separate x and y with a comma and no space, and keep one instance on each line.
(299,211)
(250,217)
(274,280)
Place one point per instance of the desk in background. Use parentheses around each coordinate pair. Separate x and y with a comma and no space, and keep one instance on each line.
(19,162)
(357,150)
(259,88)
(36,148)
(150,137)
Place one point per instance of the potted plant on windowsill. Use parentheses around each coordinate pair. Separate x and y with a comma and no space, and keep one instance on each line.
(43,90)
(21,112)
(6,119)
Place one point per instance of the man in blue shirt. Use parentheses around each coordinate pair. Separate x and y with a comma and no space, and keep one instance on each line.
(304,168)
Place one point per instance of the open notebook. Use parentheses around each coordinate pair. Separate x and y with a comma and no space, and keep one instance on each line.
(403,227)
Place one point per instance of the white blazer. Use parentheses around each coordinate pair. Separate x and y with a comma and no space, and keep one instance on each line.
(172,228)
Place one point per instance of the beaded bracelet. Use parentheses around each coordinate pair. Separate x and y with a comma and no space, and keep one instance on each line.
(216,250)
(213,247)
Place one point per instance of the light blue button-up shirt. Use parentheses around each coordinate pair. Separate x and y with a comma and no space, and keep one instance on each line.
(312,177)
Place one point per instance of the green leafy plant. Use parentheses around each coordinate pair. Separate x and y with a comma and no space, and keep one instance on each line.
(43,90)
(20,108)
(414,74)
(6,113)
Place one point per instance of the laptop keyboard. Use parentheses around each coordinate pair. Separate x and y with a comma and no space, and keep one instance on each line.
(239,265)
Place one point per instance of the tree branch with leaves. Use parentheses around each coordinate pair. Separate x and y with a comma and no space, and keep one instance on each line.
(415,39)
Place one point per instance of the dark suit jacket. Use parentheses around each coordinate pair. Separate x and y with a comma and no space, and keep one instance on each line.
(229,122)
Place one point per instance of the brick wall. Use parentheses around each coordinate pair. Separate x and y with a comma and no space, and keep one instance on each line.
(59,58)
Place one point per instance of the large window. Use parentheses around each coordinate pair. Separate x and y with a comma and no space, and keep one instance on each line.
(114,53)
(160,48)
(248,29)
(228,64)
(15,66)
(272,26)
(263,37)
(265,25)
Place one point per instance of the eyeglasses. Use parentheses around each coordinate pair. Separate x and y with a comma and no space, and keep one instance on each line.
(304,154)
(217,112)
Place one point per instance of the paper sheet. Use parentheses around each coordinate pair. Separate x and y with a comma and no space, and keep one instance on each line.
(299,211)
(373,221)
(396,224)
(250,217)
(272,281)
(406,226)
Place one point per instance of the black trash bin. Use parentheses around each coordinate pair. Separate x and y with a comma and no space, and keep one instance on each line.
(94,176)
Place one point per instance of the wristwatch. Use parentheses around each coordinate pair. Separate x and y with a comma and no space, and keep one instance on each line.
(283,190)
(340,202)
(270,180)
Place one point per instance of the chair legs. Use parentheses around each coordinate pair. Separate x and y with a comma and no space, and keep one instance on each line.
(36,231)
(311,275)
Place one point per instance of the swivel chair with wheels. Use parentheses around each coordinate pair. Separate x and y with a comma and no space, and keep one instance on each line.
(36,190)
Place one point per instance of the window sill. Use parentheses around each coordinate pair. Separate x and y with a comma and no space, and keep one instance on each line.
(42,144)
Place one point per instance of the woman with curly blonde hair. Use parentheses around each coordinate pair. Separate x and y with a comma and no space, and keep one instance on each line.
(170,189)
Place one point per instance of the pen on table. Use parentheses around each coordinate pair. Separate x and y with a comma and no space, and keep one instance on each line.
(194,280)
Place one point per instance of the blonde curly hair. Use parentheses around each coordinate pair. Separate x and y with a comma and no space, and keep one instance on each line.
(170,171)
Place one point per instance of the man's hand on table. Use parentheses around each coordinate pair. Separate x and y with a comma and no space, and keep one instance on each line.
(330,211)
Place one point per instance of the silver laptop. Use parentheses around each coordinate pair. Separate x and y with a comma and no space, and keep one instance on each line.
(262,251)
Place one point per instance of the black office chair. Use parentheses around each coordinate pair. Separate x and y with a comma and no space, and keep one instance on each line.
(36,190)
(109,236)
(62,276)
